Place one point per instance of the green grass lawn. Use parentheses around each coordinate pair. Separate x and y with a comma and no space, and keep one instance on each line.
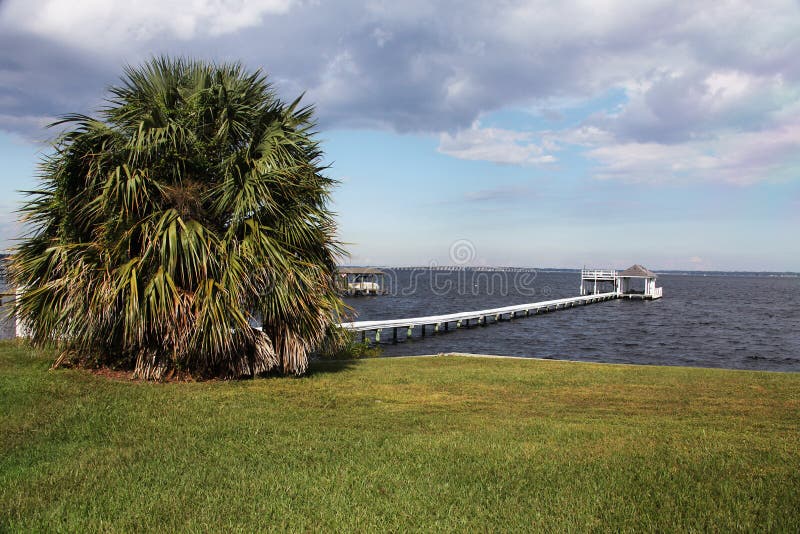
(445,443)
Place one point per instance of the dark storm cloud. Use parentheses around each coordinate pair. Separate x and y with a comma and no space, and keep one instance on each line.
(40,81)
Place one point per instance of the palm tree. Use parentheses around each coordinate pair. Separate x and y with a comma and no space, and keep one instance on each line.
(194,206)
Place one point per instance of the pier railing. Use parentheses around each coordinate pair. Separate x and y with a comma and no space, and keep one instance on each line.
(479,316)
(605,274)
(657,292)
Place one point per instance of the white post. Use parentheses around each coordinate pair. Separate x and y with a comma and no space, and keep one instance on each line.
(21,329)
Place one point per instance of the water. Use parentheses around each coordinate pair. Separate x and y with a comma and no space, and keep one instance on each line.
(735,322)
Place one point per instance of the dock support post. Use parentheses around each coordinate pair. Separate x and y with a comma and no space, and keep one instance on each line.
(446,326)
(394,335)
(497,317)
(363,336)
(422,328)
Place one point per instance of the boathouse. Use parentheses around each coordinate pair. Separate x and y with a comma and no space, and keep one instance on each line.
(638,282)
(355,281)
(635,282)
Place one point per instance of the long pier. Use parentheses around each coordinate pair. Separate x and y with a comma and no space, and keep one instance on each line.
(442,323)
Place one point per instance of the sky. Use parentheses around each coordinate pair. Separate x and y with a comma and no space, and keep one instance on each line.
(540,134)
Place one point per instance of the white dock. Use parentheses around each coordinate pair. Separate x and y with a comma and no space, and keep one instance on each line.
(597,285)
(441,323)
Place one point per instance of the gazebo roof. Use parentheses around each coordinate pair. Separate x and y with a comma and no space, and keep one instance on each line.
(359,270)
(637,271)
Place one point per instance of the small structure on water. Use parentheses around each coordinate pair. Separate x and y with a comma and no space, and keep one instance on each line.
(635,282)
(355,281)
(596,281)
(628,279)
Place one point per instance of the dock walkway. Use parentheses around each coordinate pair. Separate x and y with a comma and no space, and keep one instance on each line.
(464,319)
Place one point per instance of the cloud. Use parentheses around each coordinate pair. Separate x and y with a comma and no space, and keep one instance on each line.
(671,107)
(499,195)
(30,127)
(113,24)
(738,158)
(699,264)
(697,78)
(493,144)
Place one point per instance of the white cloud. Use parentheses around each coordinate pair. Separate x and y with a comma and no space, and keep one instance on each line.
(336,77)
(381,37)
(111,24)
(728,85)
(495,145)
(739,158)
(31,127)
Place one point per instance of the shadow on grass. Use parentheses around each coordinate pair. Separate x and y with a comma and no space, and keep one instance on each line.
(320,366)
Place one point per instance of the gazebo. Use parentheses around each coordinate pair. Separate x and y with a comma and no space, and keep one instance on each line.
(354,281)
(628,280)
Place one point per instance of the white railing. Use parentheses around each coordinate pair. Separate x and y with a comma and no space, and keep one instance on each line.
(363,286)
(358,326)
(657,292)
(598,273)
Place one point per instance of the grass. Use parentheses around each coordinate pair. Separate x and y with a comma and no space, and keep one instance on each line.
(444,443)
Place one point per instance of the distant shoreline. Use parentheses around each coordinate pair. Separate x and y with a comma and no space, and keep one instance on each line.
(446,268)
